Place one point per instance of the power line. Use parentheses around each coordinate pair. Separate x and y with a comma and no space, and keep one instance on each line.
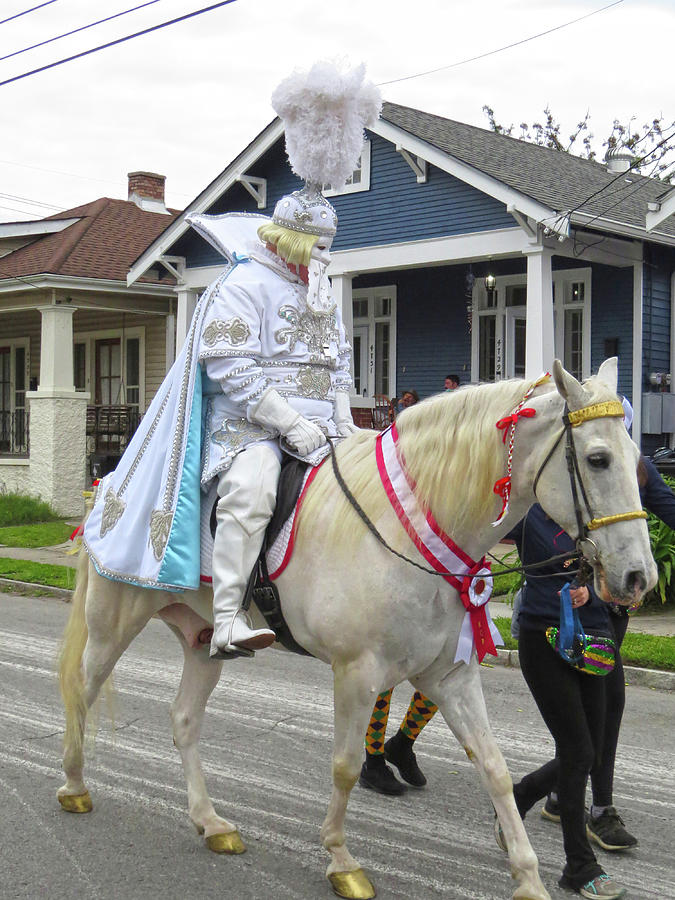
(533,37)
(22,211)
(76,30)
(129,37)
(13,197)
(26,11)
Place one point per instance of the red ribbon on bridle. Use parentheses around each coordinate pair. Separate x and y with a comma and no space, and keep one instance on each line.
(511,421)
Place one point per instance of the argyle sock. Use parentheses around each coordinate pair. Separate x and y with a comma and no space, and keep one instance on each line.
(378,725)
(420,711)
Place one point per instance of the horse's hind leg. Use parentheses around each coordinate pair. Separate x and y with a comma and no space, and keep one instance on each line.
(354,692)
(459,696)
(96,636)
(200,676)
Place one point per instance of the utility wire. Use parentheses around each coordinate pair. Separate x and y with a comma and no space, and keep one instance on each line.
(13,197)
(129,37)
(76,30)
(26,11)
(533,37)
(22,211)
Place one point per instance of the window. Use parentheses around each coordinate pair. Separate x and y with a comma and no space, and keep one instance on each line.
(110,366)
(374,343)
(359,180)
(500,325)
(14,373)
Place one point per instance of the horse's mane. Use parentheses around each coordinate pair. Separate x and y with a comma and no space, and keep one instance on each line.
(453,452)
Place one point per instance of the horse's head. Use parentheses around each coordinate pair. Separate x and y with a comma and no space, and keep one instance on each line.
(586,480)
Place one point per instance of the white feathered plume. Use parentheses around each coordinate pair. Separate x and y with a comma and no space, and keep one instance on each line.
(324,112)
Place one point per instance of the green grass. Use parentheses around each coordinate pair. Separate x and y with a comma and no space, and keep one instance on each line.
(20,509)
(43,534)
(37,573)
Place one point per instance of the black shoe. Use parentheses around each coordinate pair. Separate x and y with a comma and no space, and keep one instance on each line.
(377,776)
(608,831)
(399,752)
(551,810)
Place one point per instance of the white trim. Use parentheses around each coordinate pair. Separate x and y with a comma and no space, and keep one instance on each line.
(416,163)
(560,278)
(89,338)
(660,210)
(621,228)
(28,229)
(468,174)
(199,278)
(207,198)
(371,294)
(349,187)
(433,251)
(12,284)
(257,188)
(637,352)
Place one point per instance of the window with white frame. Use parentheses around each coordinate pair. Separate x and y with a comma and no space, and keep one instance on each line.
(500,322)
(374,341)
(14,380)
(110,365)
(359,180)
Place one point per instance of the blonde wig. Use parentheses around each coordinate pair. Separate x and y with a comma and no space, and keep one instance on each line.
(293,246)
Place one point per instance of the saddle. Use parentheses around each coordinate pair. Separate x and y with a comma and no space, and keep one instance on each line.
(260,589)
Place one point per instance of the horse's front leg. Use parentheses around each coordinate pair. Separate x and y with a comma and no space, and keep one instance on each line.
(200,676)
(459,696)
(355,691)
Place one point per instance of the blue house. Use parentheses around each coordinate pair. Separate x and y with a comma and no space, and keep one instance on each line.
(461,250)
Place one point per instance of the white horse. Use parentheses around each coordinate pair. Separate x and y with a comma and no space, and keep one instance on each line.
(376,619)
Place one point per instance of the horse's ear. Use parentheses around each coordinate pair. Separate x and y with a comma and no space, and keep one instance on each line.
(568,387)
(608,373)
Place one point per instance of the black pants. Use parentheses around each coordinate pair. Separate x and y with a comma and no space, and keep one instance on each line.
(602,774)
(572,705)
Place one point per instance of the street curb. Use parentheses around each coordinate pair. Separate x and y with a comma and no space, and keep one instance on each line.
(651,678)
(28,587)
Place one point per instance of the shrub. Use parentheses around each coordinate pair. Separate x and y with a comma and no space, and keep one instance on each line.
(20,509)
(663,548)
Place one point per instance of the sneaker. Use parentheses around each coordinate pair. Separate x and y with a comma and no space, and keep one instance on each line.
(377,776)
(399,752)
(551,810)
(602,886)
(608,831)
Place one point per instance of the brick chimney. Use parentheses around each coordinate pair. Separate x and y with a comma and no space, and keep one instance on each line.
(146,190)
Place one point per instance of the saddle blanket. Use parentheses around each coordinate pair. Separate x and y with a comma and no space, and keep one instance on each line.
(278,555)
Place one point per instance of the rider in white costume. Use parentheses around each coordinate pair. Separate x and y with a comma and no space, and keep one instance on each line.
(265,369)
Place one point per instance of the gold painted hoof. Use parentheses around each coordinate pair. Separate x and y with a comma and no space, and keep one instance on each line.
(76,803)
(353,885)
(227,842)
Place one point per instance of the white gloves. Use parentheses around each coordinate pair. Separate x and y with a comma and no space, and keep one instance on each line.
(274,412)
(342,415)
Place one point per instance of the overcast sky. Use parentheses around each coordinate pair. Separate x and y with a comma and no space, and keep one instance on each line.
(186,99)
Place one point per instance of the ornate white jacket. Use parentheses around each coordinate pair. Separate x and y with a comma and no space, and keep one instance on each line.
(259,332)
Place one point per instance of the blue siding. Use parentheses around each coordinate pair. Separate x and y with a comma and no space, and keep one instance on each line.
(395,209)
(612,317)
(656,324)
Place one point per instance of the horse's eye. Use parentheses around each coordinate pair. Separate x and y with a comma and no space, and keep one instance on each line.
(598,460)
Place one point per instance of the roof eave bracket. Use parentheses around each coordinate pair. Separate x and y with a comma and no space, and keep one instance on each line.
(257,188)
(416,163)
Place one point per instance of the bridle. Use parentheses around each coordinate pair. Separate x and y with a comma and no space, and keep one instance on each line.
(571,420)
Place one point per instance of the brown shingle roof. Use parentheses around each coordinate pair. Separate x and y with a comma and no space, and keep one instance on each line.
(108,237)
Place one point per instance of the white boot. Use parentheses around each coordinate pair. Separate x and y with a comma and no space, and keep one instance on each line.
(247,494)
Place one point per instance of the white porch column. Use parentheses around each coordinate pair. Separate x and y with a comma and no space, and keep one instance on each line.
(342,294)
(636,430)
(539,346)
(58,416)
(187,301)
(56,348)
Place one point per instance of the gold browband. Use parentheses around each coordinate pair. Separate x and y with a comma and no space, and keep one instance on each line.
(596,411)
(618,517)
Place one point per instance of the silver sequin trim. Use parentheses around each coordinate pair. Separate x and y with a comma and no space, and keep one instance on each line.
(234,332)
(160,528)
(113,508)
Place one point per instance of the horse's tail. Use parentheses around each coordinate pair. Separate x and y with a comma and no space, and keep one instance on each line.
(71,679)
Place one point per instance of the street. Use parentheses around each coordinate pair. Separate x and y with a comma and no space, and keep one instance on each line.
(266,747)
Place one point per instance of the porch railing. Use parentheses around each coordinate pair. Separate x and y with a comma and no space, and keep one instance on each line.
(14,433)
(111,428)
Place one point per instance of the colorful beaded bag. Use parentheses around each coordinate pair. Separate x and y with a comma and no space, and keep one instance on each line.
(592,654)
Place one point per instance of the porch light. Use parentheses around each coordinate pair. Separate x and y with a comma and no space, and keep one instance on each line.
(490,282)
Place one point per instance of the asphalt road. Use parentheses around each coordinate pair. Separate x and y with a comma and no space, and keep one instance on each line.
(266,749)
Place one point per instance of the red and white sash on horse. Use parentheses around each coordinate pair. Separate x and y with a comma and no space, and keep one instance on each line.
(472,580)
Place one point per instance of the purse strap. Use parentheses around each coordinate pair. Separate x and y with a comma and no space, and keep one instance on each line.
(572,637)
